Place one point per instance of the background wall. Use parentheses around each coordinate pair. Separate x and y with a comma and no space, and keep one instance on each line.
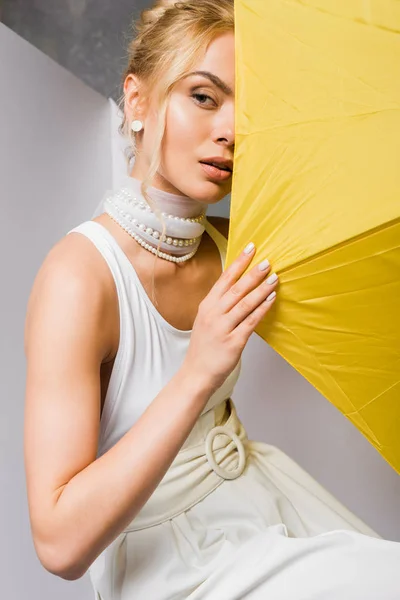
(88,37)
(55,162)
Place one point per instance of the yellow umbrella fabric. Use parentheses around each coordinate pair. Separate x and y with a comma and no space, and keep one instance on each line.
(316,186)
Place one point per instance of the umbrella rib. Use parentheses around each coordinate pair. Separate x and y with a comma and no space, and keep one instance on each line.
(376,398)
(338,16)
(323,119)
(342,244)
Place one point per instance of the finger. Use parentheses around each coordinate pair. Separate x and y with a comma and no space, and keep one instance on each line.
(230,275)
(247,326)
(245,285)
(247,305)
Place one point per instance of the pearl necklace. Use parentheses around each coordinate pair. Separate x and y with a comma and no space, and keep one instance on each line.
(135,216)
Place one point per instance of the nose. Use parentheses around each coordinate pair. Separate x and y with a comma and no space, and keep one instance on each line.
(227,137)
(224,130)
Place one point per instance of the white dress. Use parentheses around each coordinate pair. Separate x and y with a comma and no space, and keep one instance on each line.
(232,518)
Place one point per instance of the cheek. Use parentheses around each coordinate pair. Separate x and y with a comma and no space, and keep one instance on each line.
(182,124)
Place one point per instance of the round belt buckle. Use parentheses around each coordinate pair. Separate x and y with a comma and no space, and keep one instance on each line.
(210,456)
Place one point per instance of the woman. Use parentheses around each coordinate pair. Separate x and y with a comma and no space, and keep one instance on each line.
(127,473)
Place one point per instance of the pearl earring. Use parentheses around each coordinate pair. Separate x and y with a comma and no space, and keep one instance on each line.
(137,126)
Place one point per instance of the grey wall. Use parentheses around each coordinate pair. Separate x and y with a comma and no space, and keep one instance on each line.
(55,162)
(88,37)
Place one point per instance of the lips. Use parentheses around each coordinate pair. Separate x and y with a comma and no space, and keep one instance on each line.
(219,163)
(215,173)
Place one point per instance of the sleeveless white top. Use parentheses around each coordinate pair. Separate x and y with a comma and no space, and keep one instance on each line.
(150,350)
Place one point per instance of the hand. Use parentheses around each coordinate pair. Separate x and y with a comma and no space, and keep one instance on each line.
(227,317)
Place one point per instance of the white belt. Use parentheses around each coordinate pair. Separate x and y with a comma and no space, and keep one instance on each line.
(203,463)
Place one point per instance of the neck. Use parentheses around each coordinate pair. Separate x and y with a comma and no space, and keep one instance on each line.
(177,205)
(184,219)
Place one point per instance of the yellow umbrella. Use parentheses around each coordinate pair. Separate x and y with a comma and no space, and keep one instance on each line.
(316,186)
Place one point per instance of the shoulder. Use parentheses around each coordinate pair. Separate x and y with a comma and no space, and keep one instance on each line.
(73,283)
(75,260)
(221,224)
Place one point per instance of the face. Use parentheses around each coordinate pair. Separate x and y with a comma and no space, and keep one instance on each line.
(199,127)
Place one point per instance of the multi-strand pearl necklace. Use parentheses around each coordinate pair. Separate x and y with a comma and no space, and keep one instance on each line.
(128,208)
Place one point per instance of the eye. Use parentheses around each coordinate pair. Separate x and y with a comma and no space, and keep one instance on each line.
(202,99)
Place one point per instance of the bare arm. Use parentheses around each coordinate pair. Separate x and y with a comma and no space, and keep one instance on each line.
(79,504)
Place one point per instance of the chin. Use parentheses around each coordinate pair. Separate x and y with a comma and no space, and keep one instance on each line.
(202,190)
(210,192)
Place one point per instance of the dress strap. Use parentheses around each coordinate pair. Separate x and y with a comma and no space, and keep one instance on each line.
(219,239)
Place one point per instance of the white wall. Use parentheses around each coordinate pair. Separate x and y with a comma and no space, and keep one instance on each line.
(55,162)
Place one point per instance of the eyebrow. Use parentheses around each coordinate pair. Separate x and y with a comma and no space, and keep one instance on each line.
(215,80)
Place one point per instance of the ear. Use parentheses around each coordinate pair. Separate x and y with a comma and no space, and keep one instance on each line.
(135,104)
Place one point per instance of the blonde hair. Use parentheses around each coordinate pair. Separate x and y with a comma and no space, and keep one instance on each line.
(169,39)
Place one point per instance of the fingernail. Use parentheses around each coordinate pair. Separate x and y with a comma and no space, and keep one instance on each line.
(271,296)
(263,265)
(249,248)
(272,278)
